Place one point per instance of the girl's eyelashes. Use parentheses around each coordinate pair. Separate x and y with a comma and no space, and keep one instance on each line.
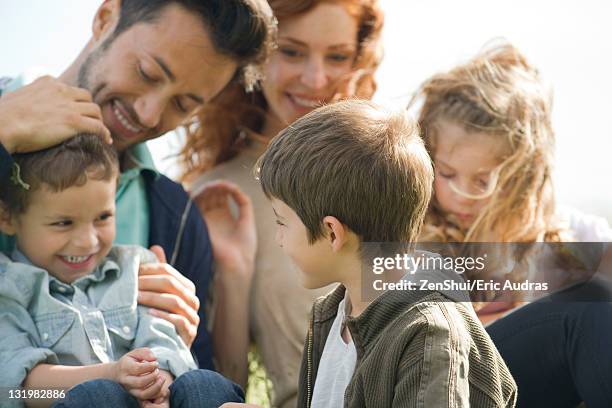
(280,223)
(482,183)
(443,174)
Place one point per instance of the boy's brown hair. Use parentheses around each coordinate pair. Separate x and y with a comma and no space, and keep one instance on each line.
(355,161)
(68,164)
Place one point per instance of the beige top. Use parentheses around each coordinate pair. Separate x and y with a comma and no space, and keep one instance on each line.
(279,305)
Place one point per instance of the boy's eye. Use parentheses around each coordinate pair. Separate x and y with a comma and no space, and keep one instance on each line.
(63,223)
(279,223)
(105,217)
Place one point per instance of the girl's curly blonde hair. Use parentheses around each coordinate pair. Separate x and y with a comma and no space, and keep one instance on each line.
(224,127)
(500,93)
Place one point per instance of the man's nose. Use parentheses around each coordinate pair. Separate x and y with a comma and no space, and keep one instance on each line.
(149,109)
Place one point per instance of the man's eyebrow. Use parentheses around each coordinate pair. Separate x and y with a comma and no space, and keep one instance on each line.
(165,68)
(172,77)
(196,98)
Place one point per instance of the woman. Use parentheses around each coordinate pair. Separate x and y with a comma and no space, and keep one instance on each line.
(327,50)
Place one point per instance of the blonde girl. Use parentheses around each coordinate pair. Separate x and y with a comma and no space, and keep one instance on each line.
(487,126)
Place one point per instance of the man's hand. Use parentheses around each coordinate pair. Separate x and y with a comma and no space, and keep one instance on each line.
(138,372)
(233,239)
(45,113)
(170,295)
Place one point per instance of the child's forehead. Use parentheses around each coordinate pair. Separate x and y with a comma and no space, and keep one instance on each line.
(454,143)
(93,196)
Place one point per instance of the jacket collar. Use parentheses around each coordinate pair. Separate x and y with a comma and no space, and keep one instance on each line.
(382,311)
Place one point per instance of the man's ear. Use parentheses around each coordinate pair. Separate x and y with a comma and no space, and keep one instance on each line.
(337,234)
(7,222)
(106,19)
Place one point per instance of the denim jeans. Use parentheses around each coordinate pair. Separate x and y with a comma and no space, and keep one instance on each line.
(559,349)
(197,388)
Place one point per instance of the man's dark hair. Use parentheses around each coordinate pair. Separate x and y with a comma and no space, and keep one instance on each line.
(240,29)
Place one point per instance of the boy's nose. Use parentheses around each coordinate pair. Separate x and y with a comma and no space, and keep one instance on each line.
(86,238)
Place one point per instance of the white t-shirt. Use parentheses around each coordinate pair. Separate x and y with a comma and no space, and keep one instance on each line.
(336,367)
(586,227)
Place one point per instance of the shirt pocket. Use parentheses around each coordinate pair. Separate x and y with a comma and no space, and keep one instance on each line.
(122,324)
(53,327)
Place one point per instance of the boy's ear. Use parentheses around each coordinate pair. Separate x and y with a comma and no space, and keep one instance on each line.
(106,18)
(336,233)
(7,223)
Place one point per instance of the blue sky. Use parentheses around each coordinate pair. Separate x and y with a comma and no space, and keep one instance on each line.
(569,40)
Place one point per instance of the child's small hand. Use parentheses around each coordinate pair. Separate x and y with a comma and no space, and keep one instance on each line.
(159,403)
(138,371)
(162,399)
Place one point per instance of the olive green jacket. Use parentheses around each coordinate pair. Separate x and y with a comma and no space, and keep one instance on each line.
(414,349)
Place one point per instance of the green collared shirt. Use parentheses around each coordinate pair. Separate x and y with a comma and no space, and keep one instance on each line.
(132,212)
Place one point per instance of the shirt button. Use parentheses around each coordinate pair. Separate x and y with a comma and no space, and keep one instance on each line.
(45,336)
(126,329)
(61,289)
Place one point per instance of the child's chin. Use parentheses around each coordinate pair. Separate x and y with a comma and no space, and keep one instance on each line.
(70,277)
(310,283)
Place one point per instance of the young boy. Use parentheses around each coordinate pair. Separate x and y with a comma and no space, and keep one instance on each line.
(343,176)
(68,298)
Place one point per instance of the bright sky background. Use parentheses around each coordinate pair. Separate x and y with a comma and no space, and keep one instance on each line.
(569,40)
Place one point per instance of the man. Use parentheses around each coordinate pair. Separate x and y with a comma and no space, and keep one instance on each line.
(147,68)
